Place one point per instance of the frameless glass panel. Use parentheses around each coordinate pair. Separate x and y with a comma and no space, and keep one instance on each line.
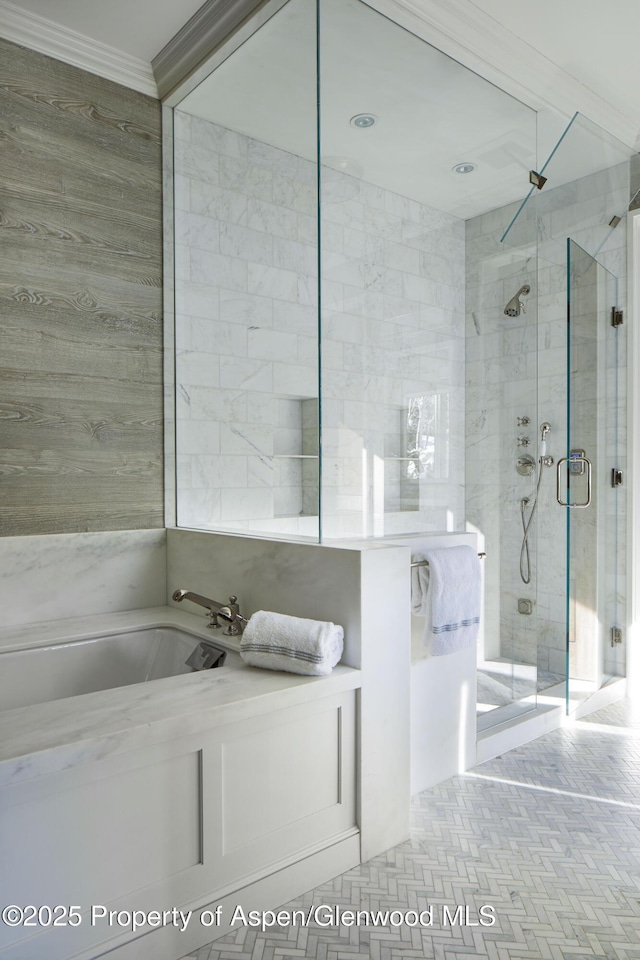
(420,161)
(537,179)
(585,481)
(397,118)
(246,287)
(524,481)
(584,191)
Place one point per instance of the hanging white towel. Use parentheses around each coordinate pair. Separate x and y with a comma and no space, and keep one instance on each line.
(278,642)
(452,581)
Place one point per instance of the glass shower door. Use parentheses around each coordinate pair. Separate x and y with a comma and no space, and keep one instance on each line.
(587,479)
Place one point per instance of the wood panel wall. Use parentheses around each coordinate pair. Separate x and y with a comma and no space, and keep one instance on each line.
(80,300)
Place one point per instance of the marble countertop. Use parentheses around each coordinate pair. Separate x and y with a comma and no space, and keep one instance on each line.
(49,737)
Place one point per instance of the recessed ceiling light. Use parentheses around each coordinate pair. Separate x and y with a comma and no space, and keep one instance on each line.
(363,120)
(464,168)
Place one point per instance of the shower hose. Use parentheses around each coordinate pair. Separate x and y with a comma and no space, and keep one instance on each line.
(525,560)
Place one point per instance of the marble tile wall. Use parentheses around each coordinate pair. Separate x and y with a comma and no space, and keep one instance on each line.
(59,576)
(516,368)
(393,364)
(247,346)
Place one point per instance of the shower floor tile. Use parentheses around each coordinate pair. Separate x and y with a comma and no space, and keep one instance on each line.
(548,835)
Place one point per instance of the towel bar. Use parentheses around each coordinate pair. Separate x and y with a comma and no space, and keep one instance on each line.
(425,563)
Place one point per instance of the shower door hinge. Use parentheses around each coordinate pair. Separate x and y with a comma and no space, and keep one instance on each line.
(616,636)
(617,317)
(537,179)
(616,477)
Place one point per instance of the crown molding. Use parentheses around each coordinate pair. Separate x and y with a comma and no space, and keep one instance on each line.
(457,27)
(465,32)
(217,23)
(37,33)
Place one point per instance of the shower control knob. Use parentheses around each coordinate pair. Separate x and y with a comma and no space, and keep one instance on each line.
(523,441)
(523,421)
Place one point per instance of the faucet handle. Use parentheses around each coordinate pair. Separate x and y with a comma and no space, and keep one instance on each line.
(236,622)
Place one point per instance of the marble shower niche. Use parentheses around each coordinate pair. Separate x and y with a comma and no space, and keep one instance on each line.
(295,457)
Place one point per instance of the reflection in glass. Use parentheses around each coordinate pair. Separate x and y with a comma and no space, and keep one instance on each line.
(427,446)
(246,287)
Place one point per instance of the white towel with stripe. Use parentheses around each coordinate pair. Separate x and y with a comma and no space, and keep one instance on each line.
(453,584)
(278,642)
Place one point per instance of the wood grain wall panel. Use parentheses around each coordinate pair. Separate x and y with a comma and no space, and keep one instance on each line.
(80,300)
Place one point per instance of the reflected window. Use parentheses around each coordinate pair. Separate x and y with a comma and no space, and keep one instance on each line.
(427,437)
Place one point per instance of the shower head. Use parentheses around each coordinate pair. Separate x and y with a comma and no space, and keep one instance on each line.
(515,305)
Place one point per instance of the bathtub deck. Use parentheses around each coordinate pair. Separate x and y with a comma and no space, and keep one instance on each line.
(53,736)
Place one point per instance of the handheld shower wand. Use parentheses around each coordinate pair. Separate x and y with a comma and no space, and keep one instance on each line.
(543,460)
(544,430)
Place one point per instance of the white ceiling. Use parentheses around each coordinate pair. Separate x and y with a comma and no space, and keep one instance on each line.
(430,105)
(594,41)
(432,112)
(140,28)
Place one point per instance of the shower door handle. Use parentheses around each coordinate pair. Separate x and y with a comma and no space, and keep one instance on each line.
(587,462)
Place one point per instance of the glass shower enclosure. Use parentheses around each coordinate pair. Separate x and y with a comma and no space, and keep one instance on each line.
(581,199)
(352,216)
(320,275)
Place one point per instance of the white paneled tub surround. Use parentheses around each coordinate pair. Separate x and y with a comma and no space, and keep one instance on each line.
(227,786)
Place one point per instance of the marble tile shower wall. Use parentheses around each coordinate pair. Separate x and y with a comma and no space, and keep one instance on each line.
(246,318)
(246,326)
(393,341)
(515,368)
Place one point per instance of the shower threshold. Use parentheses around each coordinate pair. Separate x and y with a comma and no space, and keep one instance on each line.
(542,714)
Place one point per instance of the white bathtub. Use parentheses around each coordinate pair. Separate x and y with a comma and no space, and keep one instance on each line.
(39,674)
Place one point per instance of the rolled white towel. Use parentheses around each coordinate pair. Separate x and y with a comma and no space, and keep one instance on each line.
(277,642)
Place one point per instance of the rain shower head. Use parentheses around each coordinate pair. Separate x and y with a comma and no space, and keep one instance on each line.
(515,305)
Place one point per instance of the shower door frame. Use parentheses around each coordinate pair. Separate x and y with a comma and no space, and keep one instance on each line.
(632,625)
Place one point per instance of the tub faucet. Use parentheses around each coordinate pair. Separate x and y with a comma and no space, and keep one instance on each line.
(229,612)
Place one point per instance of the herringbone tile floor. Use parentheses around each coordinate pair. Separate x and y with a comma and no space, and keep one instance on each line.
(548,835)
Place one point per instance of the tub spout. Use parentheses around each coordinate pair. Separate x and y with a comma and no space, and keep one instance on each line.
(230,612)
